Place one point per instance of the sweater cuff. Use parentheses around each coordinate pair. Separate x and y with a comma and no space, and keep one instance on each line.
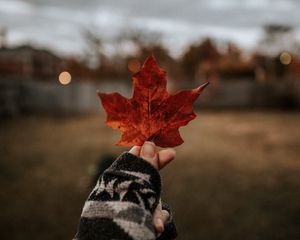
(130,162)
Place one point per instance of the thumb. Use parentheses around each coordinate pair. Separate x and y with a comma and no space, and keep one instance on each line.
(149,153)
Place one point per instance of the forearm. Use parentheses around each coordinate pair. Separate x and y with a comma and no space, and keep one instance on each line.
(122,203)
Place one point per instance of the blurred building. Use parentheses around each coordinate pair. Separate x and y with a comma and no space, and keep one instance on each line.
(28,63)
(19,66)
(31,82)
(37,81)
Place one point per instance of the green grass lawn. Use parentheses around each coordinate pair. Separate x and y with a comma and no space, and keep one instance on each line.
(237,176)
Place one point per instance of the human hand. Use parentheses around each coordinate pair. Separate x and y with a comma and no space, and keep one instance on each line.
(158,159)
(149,152)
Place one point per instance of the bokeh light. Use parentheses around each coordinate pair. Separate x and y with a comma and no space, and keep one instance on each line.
(65,78)
(285,58)
(134,65)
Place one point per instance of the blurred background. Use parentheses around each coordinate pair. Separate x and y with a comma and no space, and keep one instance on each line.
(237,176)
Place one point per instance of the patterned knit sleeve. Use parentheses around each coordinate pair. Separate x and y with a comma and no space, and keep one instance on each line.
(122,202)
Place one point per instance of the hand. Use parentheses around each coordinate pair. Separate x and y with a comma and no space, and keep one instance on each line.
(158,159)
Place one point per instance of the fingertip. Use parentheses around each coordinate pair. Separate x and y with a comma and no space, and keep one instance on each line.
(159,225)
(172,152)
(149,153)
(135,150)
(148,150)
(165,215)
(166,156)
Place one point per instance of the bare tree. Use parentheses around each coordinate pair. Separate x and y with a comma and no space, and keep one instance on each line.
(277,38)
(3,37)
(95,53)
(205,50)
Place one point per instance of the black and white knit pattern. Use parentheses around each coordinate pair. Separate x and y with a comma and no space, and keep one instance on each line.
(122,202)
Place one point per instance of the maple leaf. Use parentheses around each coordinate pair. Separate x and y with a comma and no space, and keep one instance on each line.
(152,114)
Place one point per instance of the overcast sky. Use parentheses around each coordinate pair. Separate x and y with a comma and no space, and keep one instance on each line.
(58,24)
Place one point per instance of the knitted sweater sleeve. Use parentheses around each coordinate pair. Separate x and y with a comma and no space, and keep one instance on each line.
(122,202)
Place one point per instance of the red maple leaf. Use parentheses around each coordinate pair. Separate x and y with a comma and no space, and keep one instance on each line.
(152,114)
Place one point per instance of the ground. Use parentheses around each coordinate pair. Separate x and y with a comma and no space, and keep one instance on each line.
(237,176)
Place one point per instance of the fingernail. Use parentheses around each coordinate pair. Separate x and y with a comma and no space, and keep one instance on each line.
(148,150)
(159,225)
